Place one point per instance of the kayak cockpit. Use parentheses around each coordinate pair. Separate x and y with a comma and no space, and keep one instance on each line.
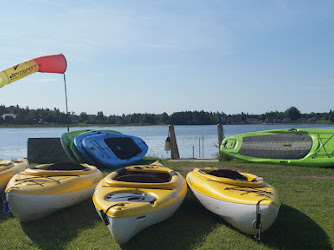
(228,173)
(61,168)
(231,177)
(143,176)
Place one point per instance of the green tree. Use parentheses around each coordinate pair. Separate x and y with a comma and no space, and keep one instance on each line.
(331,116)
(100,117)
(83,117)
(164,118)
(292,113)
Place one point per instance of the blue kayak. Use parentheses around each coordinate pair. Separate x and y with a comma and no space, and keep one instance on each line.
(67,141)
(81,149)
(114,150)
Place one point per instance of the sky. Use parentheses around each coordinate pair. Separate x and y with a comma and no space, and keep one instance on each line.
(148,56)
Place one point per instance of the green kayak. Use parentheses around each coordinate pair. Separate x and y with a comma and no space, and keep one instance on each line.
(302,147)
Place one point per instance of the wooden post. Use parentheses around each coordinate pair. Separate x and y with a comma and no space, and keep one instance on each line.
(220,131)
(174,154)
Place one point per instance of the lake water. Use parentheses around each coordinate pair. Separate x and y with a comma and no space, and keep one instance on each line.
(193,141)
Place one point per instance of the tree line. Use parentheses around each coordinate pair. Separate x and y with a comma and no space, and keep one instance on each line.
(15,115)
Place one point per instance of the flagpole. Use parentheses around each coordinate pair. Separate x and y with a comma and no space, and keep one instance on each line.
(68,127)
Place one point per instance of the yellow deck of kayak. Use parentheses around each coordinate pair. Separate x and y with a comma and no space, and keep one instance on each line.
(237,191)
(9,168)
(164,193)
(40,181)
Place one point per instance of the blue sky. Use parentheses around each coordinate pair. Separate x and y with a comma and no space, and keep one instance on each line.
(134,56)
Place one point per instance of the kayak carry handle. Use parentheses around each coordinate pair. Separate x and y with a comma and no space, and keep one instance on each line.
(104,217)
(104,214)
(5,205)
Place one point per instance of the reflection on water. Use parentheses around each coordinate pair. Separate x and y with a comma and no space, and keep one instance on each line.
(193,140)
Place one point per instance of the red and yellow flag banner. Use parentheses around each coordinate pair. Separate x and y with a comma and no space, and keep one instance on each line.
(43,64)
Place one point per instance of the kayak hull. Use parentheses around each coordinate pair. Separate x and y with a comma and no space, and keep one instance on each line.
(37,192)
(123,229)
(29,207)
(133,198)
(249,204)
(240,216)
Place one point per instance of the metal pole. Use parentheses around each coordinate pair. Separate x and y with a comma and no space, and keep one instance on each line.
(203,146)
(68,127)
(199,147)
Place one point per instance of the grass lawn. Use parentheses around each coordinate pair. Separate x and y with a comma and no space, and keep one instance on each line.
(305,220)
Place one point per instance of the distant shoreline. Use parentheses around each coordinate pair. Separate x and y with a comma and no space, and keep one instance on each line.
(136,125)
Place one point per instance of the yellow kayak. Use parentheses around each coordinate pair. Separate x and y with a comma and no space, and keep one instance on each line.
(8,169)
(132,198)
(49,187)
(244,200)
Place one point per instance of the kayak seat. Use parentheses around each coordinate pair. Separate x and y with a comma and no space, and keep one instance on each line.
(141,178)
(67,166)
(228,173)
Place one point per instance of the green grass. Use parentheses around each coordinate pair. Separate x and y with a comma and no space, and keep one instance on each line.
(305,220)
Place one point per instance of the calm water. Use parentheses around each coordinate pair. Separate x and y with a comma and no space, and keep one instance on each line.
(193,141)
